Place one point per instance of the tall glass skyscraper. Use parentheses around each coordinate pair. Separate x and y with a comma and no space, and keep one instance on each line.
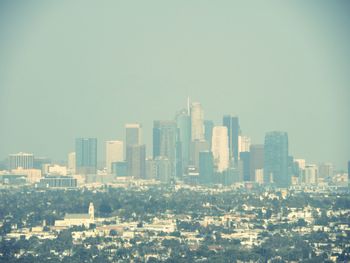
(136,161)
(276,159)
(86,155)
(164,141)
(208,131)
(232,124)
(183,121)
(206,167)
(132,134)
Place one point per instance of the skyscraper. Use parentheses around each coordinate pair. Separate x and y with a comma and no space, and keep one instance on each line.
(276,159)
(183,121)
(206,167)
(243,143)
(232,124)
(310,175)
(245,169)
(197,122)
(256,160)
(208,131)
(114,153)
(220,148)
(86,155)
(136,161)
(164,141)
(132,134)
(163,167)
(23,160)
(197,146)
(325,170)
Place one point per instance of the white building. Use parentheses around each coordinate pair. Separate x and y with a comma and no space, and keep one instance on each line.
(57,169)
(220,148)
(244,143)
(259,176)
(32,175)
(71,162)
(78,219)
(21,160)
(310,174)
(197,121)
(114,153)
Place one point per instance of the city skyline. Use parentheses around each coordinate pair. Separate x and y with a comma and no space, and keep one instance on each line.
(138,127)
(278,66)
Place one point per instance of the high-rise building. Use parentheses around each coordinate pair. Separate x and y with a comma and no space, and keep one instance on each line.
(245,158)
(21,160)
(163,167)
(183,121)
(325,170)
(259,176)
(243,143)
(197,121)
(197,146)
(165,141)
(151,169)
(310,175)
(86,155)
(256,159)
(220,148)
(114,153)
(136,161)
(276,159)
(133,134)
(233,130)
(208,131)
(206,167)
(71,162)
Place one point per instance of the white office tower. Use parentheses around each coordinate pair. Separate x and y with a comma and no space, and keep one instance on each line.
(310,174)
(244,143)
(71,162)
(197,121)
(21,160)
(220,148)
(114,153)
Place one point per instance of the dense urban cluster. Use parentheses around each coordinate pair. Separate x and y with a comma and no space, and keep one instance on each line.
(186,148)
(206,194)
(179,223)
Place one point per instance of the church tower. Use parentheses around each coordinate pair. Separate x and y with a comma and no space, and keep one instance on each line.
(92,211)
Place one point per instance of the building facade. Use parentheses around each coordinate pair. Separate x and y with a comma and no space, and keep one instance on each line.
(233,130)
(114,153)
(276,159)
(220,148)
(21,160)
(86,155)
(197,121)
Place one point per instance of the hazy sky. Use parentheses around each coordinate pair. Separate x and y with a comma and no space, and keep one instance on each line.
(85,68)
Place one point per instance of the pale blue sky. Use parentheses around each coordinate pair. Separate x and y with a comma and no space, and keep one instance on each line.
(85,68)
